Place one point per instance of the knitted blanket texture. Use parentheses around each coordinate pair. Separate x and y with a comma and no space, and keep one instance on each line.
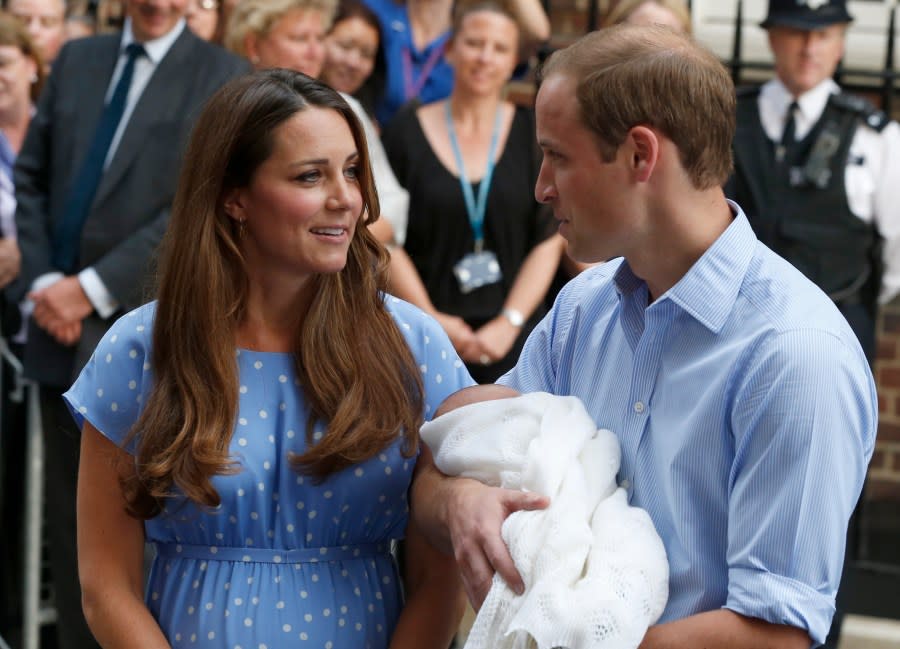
(595,570)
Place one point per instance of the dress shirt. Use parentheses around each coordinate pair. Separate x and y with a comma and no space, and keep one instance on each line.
(101,299)
(746,413)
(871,173)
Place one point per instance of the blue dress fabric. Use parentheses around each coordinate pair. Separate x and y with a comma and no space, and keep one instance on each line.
(283,561)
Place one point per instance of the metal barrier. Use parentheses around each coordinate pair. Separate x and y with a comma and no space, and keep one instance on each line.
(35,612)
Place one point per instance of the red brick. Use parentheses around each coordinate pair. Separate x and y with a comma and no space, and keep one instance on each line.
(896,410)
(891,322)
(883,490)
(889,377)
(887,348)
(888,432)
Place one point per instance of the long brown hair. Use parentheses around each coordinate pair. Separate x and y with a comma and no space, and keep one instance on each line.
(12,32)
(355,369)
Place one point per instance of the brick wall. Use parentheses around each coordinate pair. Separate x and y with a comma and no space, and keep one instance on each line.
(884,471)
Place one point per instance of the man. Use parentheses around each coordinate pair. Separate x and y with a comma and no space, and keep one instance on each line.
(816,169)
(45,22)
(94,182)
(743,403)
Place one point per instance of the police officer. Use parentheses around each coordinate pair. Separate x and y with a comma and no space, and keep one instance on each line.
(813,166)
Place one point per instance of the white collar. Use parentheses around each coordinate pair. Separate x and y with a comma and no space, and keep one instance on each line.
(158,47)
(774,99)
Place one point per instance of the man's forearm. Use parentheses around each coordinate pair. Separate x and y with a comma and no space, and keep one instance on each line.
(724,629)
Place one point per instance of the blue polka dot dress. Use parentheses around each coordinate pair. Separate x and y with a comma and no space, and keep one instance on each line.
(283,561)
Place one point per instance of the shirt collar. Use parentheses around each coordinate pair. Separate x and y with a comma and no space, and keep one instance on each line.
(710,287)
(158,47)
(810,105)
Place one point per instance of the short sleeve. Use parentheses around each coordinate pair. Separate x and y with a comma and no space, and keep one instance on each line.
(441,369)
(112,388)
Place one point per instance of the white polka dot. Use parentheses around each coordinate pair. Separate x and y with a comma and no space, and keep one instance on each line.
(308,617)
(289,527)
(444,354)
(248,621)
(132,385)
(358,473)
(190,610)
(267,465)
(263,414)
(114,406)
(282,406)
(254,516)
(388,470)
(427,339)
(255,601)
(209,606)
(282,378)
(326,612)
(82,410)
(329,644)
(242,441)
(279,605)
(241,492)
(328,494)
(261,486)
(258,365)
(243,389)
(140,328)
(457,363)
(114,338)
(290,434)
(286,628)
(300,504)
(317,435)
(146,366)
(242,421)
(312,514)
(438,379)
(423,368)
(109,358)
(303,636)
(304,594)
(238,601)
(211,635)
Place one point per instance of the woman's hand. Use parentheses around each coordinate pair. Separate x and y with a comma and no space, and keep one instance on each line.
(495,338)
(460,334)
(10,261)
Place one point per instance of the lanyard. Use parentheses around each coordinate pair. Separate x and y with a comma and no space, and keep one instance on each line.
(475,210)
(412,87)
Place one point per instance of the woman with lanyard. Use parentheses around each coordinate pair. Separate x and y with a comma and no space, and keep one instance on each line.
(483,248)
(415,34)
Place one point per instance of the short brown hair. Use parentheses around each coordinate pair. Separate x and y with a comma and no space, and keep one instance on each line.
(628,76)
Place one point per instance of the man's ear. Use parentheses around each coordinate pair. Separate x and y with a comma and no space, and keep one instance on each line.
(250,48)
(644,151)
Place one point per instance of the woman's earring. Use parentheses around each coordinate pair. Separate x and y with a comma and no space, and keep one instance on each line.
(240,232)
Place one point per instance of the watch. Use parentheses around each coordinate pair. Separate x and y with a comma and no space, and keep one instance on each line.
(515,317)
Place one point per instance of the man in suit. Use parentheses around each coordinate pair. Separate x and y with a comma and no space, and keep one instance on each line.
(94,182)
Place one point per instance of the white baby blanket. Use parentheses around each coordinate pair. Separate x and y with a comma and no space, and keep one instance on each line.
(594,568)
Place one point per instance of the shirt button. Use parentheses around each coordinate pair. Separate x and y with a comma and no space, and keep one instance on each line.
(639,407)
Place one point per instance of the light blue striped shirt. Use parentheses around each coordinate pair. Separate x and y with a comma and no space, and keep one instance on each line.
(746,412)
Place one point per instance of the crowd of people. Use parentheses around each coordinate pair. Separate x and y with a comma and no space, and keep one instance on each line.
(249,247)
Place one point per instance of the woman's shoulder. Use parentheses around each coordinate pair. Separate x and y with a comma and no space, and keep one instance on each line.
(134,326)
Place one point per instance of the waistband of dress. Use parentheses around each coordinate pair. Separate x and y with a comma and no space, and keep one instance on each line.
(265,555)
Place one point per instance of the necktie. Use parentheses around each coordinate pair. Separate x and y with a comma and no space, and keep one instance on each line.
(67,237)
(790,126)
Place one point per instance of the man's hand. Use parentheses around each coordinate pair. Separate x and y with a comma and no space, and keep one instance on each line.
(475,515)
(60,308)
(10,260)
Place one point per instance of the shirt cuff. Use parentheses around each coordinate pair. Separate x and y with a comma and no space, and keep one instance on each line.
(101,299)
(780,600)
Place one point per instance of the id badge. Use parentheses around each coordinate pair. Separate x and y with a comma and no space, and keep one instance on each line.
(477,269)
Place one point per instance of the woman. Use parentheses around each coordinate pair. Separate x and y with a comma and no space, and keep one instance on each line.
(263,414)
(21,80)
(469,164)
(354,61)
(415,35)
(291,34)
(670,13)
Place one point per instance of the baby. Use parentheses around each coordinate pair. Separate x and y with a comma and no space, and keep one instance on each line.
(594,568)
